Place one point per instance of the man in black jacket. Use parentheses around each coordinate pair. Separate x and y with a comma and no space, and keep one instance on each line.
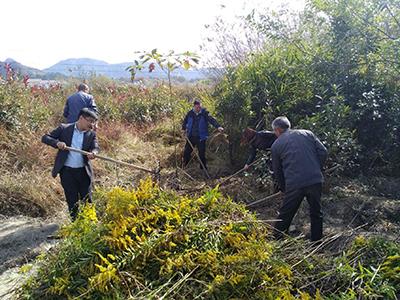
(297,160)
(257,140)
(75,169)
(195,127)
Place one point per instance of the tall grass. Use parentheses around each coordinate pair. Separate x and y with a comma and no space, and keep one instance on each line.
(128,115)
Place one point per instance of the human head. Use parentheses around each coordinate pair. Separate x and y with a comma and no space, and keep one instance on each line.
(280,125)
(83,87)
(87,119)
(197,105)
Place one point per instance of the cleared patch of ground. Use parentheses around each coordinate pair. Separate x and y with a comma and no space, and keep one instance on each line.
(22,239)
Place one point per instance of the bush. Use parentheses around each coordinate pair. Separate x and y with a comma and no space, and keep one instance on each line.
(150,244)
(332,68)
(330,122)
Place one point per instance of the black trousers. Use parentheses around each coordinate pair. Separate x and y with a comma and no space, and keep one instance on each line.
(201,146)
(77,187)
(290,205)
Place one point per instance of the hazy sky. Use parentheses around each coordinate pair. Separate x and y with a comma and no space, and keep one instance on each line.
(42,32)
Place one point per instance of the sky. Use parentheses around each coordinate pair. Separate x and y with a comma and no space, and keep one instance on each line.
(39,33)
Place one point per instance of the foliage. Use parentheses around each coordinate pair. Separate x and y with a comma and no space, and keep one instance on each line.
(334,69)
(168,62)
(330,122)
(19,109)
(149,244)
(373,266)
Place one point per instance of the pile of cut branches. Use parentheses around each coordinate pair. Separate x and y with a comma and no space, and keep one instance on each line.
(151,244)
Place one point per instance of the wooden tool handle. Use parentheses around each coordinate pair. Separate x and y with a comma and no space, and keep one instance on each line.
(273,196)
(110,160)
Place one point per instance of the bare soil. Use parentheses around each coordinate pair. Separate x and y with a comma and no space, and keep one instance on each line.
(22,239)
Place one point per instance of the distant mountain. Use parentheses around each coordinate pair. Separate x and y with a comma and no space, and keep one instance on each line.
(20,69)
(85,67)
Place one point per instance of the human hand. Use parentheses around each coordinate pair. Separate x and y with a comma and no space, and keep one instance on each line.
(61,145)
(91,156)
(246,166)
(220,129)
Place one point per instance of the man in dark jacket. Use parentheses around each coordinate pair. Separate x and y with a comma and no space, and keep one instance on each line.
(195,127)
(257,140)
(297,160)
(75,169)
(77,101)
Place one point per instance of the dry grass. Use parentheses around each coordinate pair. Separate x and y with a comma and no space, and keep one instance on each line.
(30,193)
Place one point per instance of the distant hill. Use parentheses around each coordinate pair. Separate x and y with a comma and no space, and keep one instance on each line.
(20,69)
(85,67)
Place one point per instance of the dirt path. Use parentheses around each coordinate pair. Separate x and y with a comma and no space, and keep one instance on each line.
(21,240)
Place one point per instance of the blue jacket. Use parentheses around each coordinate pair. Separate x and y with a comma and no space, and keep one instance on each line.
(205,119)
(75,103)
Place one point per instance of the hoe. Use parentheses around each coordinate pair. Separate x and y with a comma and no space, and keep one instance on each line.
(155,172)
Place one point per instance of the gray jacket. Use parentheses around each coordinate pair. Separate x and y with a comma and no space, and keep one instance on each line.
(297,159)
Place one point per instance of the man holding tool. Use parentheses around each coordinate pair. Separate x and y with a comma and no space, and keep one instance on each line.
(195,127)
(297,160)
(75,169)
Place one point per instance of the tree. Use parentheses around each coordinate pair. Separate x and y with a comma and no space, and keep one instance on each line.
(168,63)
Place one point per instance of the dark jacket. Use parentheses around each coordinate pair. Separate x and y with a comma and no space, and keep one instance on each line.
(75,103)
(263,140)
(204,120)
(297,159)
(64,133)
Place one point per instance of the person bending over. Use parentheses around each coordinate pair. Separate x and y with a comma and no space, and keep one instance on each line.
(257,140)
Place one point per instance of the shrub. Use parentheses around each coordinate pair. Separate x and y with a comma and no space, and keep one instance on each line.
(149,244)
(330,46)
(330,122)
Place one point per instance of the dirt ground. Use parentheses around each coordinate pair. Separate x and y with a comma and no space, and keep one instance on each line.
(21,240)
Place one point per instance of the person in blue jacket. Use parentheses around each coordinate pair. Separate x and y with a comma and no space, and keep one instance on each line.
(195,127)
(76,102)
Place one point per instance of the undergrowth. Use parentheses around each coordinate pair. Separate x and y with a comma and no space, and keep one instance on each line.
(147,243)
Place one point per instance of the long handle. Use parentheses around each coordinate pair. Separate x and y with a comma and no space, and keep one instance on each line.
(237,173)
(273,196)
(111,160)
(198,157)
